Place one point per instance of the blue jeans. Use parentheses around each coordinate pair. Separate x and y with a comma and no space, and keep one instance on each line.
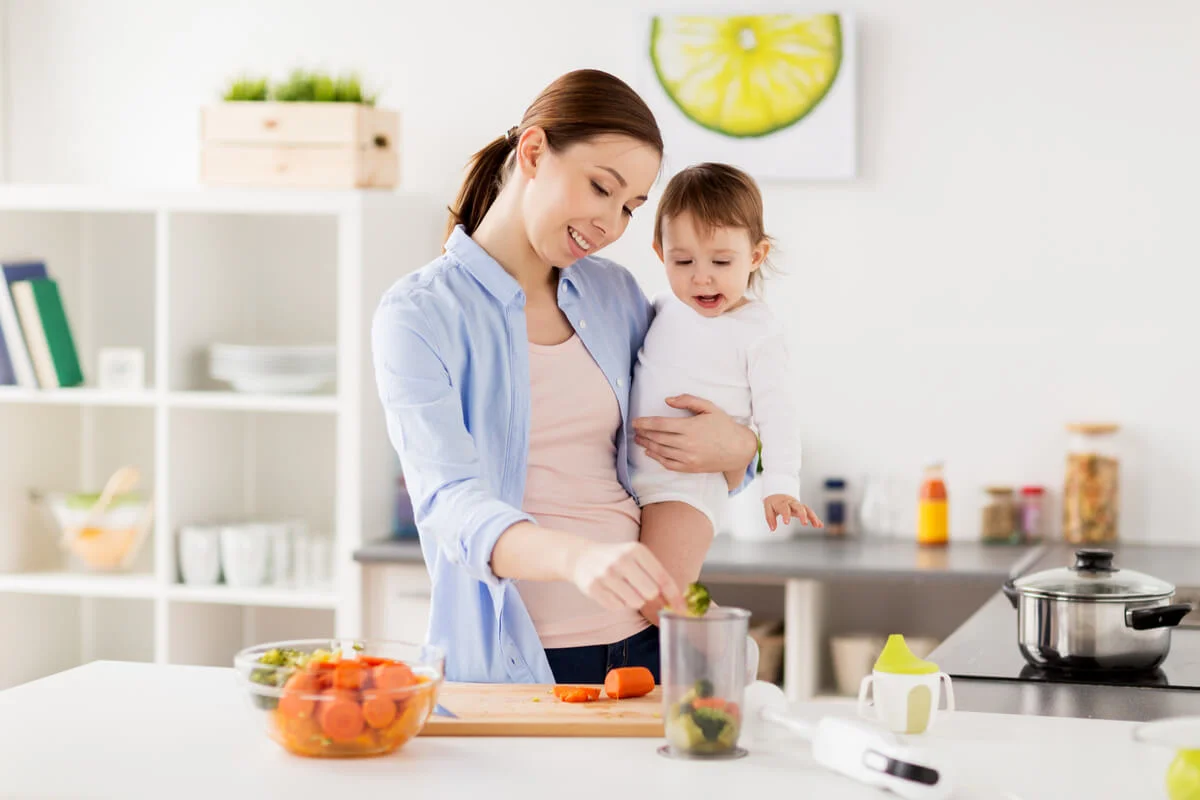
(591,663)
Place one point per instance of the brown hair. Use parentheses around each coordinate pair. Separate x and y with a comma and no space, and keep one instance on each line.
(717,196)
(578,106)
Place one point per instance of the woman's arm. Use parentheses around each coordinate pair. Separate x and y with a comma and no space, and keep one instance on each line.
(489,538)
(451,501)
(614,575)
(709,441)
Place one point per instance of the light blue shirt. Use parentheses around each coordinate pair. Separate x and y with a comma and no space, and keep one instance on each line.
(451,359)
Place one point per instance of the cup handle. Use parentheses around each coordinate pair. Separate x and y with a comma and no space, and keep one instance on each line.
(863,688)
(945,679)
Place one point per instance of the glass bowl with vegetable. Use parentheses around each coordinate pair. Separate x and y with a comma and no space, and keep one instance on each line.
(703,677)
(336,698)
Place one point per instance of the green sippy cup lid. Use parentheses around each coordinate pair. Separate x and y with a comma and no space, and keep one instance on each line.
(897,659)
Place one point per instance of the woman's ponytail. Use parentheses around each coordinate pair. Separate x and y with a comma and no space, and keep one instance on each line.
(484,179)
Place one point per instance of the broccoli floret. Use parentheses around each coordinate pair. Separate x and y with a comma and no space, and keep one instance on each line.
(711,722)
(704,688)
(273,657)
(698,599)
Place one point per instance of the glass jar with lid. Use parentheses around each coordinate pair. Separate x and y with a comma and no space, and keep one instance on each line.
(999,522)
(835,507)
(1091,491)
(1033,514)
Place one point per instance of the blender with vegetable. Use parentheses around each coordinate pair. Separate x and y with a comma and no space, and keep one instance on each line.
(704,674)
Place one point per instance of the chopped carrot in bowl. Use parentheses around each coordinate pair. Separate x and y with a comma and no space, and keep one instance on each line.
(318,698)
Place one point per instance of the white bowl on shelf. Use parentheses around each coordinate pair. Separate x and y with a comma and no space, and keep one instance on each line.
(279,384)
(273,369)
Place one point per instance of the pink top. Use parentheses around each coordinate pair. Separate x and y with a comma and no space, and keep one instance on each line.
(571,485)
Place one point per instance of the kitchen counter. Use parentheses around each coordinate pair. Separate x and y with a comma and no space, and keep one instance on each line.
(997,618)
(804,566)
(812,557)
(115,729)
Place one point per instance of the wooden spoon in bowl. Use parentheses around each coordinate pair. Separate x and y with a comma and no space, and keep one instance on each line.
(120,482)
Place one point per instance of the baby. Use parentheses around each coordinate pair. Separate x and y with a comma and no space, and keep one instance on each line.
(710,340)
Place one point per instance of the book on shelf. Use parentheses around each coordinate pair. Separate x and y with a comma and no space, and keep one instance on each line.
(47,333)
(12,340)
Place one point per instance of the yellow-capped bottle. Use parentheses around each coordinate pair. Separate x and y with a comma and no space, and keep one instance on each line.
(933,511)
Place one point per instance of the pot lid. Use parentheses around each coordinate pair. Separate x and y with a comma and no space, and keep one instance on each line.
(1093,577)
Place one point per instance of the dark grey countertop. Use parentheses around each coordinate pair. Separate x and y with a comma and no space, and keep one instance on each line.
(812,557)
(993,625)
(390,551)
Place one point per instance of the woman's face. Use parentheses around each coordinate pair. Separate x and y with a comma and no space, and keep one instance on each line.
(580,199)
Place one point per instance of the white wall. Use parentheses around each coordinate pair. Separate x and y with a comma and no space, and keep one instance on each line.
(1013,255)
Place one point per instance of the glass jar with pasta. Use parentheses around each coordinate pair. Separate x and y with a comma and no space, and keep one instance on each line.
(1091,490)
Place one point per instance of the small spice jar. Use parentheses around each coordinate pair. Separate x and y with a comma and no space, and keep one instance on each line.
(1033,513)
(835,506)
(999,523)
(1090,489)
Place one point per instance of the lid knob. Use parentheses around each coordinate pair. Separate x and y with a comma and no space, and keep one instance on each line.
(1094,560)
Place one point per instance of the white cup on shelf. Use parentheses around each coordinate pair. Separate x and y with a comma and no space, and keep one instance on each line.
(245,554)
(320,554)
(200,554)
(301,558)
(279,536)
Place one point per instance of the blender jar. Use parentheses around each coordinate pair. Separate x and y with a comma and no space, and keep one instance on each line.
(703,682)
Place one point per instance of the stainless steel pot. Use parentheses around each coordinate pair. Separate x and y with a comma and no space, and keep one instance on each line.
(1092,616)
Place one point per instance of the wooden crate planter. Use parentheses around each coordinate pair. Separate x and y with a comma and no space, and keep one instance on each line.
(315,145)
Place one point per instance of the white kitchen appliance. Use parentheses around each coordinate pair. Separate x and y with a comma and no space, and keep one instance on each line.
(851,747)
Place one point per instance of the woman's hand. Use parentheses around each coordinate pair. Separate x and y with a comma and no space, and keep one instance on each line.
(709,441)
(622,575)
(781,505)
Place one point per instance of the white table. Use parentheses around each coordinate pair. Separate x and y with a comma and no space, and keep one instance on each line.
(122,730)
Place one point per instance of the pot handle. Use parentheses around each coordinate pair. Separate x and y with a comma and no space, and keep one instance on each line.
(1010,591)
(1144,619)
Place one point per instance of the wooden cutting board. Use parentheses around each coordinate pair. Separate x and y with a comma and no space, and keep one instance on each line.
(499,709)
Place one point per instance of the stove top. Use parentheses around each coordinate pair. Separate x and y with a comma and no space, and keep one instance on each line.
(997,657)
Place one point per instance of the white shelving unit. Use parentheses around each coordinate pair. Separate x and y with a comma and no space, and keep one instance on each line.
(171,272)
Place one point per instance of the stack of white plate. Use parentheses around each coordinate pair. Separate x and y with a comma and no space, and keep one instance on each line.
(271,369)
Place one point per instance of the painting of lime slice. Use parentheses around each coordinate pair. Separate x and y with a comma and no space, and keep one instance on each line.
(746,76)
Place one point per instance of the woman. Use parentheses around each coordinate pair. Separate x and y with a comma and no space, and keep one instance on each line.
(504,368)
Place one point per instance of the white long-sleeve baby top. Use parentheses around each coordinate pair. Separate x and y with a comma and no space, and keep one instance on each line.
(738,360)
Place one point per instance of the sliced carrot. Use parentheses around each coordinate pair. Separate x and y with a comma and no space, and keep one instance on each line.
(341,717)
(392,677)
(348,675)
(580,694)
(374,661)
(709,702)
(732,710)
(297,701)
(378,711)
(628,682)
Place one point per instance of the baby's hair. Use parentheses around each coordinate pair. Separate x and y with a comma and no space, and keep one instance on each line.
(717,196)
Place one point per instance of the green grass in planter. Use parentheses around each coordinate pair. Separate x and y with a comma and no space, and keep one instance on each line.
(303,86)
(247,89)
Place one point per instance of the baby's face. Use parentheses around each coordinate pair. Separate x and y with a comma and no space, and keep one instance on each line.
(709,271)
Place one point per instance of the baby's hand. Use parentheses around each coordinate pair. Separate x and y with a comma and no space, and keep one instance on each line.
(781,505)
